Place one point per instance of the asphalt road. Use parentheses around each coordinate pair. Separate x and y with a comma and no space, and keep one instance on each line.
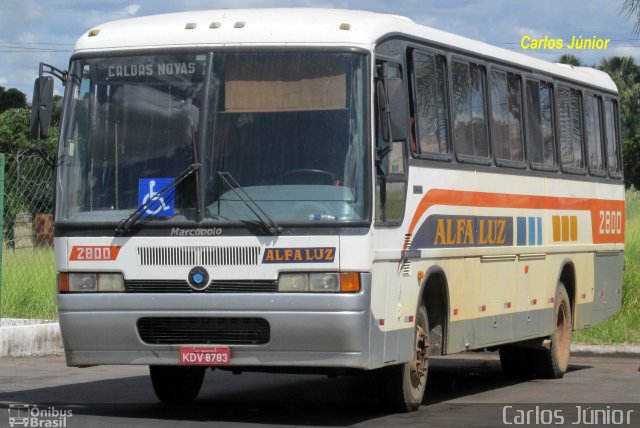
(463,390)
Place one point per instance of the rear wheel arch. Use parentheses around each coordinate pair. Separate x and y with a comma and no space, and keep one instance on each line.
(568,278)
(434,295)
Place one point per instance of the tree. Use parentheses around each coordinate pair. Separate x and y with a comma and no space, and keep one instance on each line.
(623,70)
(15,132)
(11,98)
(632,9)
(570,59)
(626,75)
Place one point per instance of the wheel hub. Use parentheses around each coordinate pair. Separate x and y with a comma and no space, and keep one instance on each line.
(420,364)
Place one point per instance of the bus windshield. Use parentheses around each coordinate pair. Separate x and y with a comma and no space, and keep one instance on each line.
(287,126)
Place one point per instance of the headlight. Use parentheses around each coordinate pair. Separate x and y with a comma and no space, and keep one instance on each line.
(323,282)
(293,282)
(83,282)
(110,282)
(90,282)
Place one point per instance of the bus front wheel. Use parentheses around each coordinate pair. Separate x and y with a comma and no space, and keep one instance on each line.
(405,383)
(176,384)
(552,363)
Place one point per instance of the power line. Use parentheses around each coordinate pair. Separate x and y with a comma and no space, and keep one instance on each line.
(24,48)
(34,51)
(35,43)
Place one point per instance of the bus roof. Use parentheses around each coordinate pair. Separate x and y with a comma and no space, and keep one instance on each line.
(301,27)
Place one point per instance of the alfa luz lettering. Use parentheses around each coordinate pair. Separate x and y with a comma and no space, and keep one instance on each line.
(472,231)
(299,255)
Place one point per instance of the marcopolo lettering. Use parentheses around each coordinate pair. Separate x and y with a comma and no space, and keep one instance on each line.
(299,255)
(178,231)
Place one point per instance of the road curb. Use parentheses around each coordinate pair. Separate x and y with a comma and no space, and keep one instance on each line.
(26,338)
(608,350)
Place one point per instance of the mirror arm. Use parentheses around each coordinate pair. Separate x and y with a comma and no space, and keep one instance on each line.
(49,160)
(54,71)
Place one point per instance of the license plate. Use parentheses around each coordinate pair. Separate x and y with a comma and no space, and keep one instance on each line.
(203,356)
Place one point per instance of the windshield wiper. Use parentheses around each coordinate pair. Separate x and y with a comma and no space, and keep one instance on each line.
(271,226)
(125,225)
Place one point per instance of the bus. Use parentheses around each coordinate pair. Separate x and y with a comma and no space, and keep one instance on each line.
(328,191)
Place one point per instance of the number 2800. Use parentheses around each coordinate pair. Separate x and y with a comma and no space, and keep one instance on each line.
(610,223)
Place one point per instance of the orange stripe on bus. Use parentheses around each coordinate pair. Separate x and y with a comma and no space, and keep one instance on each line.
(555,220)
(505,200)
(565,228)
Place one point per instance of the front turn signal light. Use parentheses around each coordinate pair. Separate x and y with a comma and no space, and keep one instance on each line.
(349,282)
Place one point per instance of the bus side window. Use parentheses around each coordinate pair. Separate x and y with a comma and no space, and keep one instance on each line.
(506,116)
(430,93)
(540,135)
(593,132)
(612,137)
(468,106)
(569,126)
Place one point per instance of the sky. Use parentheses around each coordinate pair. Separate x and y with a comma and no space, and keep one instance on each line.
(32,31)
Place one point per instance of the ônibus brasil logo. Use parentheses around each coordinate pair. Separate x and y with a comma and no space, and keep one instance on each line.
(32,415)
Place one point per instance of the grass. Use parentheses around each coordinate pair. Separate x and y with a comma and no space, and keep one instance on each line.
(28,287)
(623,327)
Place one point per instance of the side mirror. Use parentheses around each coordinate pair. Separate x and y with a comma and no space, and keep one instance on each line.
(398,106)
(41,106)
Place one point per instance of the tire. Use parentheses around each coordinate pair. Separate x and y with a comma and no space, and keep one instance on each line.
(405,383)
(552,363)
(176,384)
(516,362)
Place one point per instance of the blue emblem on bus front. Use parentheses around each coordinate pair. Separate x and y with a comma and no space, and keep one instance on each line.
(158,206)
(198,278)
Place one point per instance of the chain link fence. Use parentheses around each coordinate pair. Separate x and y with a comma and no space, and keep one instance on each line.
(28,269)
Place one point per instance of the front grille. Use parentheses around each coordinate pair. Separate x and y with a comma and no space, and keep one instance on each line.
(203,331)
(181,286)
(198,255)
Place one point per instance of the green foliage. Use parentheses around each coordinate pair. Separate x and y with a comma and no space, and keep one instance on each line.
(632,9)
(626,74)
(15,134)
(14,130)
(28,284)
(11,98)
(570,59)
(631,156)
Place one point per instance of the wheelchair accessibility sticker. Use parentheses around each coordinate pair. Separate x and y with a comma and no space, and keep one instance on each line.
(148,193)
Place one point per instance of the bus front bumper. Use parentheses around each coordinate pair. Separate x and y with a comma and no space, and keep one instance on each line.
(306,330)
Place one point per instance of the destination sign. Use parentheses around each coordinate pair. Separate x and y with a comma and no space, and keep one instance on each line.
(159,67)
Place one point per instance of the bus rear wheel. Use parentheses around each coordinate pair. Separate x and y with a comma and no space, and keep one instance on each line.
(405,383)
(176,384)
(552,363)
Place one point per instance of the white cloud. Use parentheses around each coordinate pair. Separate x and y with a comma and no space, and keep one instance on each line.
(3,81)
(132,9)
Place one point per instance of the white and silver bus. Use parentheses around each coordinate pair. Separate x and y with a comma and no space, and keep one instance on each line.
(329,190)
